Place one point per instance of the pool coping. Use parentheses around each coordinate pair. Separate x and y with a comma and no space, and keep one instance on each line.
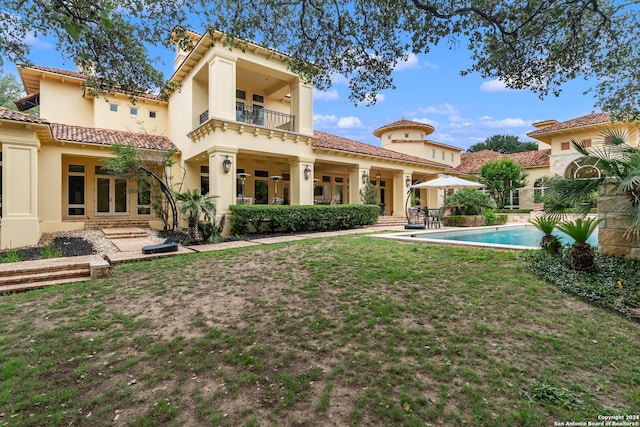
(407,236)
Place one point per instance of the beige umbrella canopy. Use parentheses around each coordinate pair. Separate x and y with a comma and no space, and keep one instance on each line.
(448,181)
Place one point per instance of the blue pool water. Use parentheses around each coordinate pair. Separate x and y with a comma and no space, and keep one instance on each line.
(519,236)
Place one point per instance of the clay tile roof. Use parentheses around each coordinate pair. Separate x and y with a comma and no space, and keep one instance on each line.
(470,163)
(7,114)
(108,137)
(404,124)
(332,142)
(66,73)
(589,119)
(80,76)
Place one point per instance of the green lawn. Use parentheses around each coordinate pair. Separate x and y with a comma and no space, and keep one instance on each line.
(338,331)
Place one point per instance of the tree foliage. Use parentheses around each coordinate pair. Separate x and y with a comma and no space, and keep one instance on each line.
(501,177)
(533,44)
(10,90)
(505,144)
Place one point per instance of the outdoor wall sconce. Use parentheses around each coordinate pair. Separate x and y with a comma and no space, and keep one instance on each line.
(378,176)
(307,172)
(407,181)
(365,177)
(226,165)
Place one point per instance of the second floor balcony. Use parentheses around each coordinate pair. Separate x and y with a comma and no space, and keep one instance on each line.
(259,116)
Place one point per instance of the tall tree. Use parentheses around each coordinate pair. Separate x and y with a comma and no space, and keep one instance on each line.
(501,177)
(505,144)
(10,90)
(533,44)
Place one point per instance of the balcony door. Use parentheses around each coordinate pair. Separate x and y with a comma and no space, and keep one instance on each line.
(111,196)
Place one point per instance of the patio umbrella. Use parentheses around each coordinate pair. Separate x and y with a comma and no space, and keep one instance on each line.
(448,181)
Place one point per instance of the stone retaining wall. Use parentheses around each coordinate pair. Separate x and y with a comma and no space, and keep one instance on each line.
(615,210)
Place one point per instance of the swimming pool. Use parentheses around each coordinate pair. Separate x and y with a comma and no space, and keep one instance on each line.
(513,236)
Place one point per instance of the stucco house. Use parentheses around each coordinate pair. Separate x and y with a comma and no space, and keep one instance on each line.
(241,126)
(535,163)
(556,136)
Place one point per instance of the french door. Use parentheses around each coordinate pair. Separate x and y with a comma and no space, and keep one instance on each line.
(111,196)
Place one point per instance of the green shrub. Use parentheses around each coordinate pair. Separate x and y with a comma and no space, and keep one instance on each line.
(473,220)
(247,219)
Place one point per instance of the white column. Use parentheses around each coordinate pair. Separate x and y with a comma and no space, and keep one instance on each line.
(302,107)
(222,88)
(301,190)
(20,224)
(356,184)
(220,183)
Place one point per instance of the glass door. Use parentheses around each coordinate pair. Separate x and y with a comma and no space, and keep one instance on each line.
(111,196)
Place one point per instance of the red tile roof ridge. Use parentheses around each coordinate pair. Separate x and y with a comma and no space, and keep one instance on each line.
(334,142)
(470,163)
(100,136)
(404,123)
(587,120)
(16,116)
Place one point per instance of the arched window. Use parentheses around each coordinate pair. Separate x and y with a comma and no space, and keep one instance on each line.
(583,168)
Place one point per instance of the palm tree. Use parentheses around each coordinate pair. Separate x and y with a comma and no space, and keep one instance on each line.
(194,203)
(548,242)
(617,161)
(469,201)
(582,254)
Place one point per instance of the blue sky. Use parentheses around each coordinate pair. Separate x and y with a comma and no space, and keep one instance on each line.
(429,89)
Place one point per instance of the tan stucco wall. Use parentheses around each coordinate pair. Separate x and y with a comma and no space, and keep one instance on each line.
(64,103)
(560,159)
(124,120)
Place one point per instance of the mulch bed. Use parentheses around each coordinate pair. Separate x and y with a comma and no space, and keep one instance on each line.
(65,246)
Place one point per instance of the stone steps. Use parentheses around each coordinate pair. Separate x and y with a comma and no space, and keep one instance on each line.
(24,275)
(390,221)
(124,233)
(100,224)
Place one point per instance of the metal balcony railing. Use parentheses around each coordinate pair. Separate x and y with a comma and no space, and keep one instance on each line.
(260,117)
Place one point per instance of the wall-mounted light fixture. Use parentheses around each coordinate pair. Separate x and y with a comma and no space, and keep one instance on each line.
(307,172)
(226,165)
(378,176)
(365,177)
(407,181)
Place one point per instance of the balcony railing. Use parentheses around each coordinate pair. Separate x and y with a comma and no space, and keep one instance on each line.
(260,117)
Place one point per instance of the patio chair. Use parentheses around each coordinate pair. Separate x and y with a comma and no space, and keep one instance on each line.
(435,217)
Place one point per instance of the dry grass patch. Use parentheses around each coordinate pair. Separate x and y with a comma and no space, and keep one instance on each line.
(340,331)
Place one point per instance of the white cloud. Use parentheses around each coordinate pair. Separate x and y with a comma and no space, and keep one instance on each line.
(378,98)
(442,109)
(410,63)
(504,123)
(328,95)
(36,42)
(324,119)
(349,122)
(430,65)
(495,85)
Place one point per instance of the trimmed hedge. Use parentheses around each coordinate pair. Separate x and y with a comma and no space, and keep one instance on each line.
(247,219)
(472,220)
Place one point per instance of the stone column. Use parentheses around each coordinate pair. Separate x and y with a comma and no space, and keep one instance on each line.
(615,210)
